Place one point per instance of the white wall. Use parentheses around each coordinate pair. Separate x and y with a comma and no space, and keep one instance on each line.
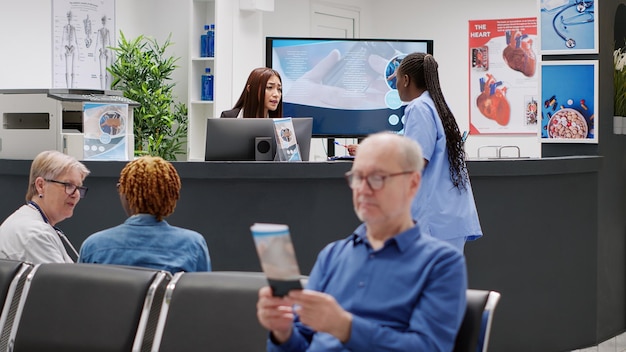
(25,33)
(158,19)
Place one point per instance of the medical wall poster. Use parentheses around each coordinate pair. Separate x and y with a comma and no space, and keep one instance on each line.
(568,26)
(569,92)
(83,33)
(503,84)
(106,130)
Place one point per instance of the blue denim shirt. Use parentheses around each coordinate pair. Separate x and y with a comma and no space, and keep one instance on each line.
(408,295)
(143,241)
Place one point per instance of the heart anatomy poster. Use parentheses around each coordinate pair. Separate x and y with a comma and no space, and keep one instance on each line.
(503,83)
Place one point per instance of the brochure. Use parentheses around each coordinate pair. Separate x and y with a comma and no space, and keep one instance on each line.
(277,257)
(286,144)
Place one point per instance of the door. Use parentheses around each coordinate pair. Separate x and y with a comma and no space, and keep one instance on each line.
(332,22)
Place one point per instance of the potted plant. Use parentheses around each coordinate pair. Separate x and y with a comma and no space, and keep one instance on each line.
(619,81)
(143,72)
(619,88)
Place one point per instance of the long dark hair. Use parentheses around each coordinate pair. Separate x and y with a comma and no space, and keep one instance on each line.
(422,69)
(252,99)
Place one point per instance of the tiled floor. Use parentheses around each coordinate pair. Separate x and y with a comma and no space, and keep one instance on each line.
(614,344)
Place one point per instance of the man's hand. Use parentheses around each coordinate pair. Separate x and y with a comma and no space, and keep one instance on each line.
(321,312)
(275,314)
(338,97)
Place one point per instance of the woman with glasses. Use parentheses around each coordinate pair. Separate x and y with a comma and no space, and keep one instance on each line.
(55,187)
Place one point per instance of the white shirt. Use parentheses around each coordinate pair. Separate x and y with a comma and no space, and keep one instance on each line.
(25,236)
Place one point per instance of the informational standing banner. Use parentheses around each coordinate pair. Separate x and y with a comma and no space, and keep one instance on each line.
(82,34)
(502,76)
(106,130)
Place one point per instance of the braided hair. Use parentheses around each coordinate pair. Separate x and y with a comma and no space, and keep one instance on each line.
(151,185)
(422,69)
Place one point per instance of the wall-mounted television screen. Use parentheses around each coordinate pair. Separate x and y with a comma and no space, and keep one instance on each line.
(346,85)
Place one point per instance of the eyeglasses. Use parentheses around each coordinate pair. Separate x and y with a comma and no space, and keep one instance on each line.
(71,188)
(375,181)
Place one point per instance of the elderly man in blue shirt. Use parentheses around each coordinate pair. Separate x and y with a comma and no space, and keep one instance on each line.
(387,286)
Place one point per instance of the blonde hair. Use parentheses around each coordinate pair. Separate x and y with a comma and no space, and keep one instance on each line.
(151,185)
(51,164)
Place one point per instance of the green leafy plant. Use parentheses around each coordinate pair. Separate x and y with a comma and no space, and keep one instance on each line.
(619,81)
(143,72)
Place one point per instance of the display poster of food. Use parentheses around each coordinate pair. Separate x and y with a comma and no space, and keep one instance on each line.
(568,26)
(568,101)
(106,129)
(83,33)
(503,84)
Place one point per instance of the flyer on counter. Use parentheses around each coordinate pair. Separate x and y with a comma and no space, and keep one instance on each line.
(286,143)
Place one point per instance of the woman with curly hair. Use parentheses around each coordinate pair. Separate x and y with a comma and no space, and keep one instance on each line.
(444,205)
(149,188)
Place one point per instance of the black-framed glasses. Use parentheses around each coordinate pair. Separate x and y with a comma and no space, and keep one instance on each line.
(70,188)
(374,181)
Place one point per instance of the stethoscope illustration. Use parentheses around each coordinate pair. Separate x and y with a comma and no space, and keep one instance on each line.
(583,16)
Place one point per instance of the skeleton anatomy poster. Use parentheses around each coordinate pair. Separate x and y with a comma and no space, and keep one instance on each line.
(82,34)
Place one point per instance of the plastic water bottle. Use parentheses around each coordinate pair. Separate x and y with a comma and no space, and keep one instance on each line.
(211,41)
(207,85)
(204,41)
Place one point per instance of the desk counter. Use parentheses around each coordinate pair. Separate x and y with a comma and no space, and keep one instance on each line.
(539,218)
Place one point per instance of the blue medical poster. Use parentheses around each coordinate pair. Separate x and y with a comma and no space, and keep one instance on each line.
(568,26)
(568,101)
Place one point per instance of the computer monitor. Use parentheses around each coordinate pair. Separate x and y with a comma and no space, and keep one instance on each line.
(229,139)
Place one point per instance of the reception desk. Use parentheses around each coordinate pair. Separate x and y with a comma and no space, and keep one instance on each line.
(539,218)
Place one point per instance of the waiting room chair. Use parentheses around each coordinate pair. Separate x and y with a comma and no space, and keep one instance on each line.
(211,311)
(485,330)
(13,275)
(88,307)
(473,335)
